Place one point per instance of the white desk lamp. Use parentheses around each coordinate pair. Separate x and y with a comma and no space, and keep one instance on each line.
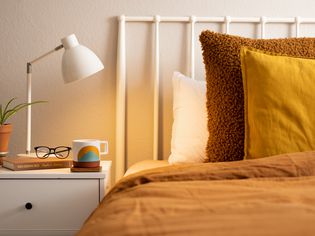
(78,62)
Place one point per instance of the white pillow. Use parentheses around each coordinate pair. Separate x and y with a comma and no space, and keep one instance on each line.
(189,133)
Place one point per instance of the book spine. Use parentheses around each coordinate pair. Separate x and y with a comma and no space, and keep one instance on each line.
(37,166)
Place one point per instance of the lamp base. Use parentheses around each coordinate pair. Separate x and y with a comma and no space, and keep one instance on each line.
(32,154)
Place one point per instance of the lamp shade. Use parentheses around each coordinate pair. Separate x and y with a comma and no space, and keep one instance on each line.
(78,62)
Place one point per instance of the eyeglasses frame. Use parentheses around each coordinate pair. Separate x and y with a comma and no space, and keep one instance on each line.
(52,151)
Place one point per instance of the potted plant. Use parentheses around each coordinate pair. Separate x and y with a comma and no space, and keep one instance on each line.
(6,112)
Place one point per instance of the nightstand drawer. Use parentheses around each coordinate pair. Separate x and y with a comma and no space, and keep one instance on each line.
(56,204)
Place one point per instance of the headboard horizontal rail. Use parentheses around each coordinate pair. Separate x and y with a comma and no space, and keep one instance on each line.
(221,19)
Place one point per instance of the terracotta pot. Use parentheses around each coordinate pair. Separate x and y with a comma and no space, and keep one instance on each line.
(5,132)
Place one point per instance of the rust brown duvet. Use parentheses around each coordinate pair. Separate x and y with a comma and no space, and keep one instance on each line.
(269,196)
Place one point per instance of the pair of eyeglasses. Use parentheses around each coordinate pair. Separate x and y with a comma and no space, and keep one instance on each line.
(60,152)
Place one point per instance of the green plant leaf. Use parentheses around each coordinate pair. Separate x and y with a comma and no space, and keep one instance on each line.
(8,104)
(8,113)
(3,112)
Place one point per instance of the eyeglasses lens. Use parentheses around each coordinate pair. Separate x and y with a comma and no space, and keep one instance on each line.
(42,152)
(62,152)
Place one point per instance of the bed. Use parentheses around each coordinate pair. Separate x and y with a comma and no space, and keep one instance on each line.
(244,164)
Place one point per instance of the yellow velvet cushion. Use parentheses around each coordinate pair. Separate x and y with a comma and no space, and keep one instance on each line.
(279,94)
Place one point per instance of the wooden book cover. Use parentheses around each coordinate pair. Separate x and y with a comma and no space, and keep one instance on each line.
(29,163)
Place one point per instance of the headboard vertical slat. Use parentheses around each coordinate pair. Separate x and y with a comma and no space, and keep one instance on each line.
(192,46)
(157,20)
(262,27)
(297,26)
(121,100)
(227,21)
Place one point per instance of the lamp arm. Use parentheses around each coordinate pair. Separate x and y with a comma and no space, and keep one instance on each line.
(29,96)
(29,64)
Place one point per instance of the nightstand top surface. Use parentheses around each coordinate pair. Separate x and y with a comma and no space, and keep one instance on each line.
(62,173)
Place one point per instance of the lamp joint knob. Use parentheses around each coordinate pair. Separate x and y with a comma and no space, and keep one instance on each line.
(28,68)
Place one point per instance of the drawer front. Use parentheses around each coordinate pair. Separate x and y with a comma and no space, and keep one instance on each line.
(56,204)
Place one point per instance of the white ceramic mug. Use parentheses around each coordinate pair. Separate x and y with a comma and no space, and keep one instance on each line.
(87,152)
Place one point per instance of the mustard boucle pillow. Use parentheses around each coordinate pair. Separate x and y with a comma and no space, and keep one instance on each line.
(225,98)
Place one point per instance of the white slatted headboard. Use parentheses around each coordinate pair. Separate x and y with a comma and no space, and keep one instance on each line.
(157,20)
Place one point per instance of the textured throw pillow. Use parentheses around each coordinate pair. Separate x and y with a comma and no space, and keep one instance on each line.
(189,133)
(225,99)
(279,94)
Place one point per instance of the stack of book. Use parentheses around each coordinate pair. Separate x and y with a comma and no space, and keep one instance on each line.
(30,163)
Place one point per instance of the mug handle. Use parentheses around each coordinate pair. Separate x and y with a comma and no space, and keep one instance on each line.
(105,147)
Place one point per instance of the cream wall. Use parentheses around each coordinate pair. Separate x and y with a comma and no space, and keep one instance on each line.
(86,109)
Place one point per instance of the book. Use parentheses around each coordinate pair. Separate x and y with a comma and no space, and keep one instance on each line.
(86,169)
(29,163)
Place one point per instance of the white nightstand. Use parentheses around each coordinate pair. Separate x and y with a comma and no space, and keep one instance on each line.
(59,201)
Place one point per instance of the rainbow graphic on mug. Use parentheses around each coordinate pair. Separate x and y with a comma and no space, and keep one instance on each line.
(88,154)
